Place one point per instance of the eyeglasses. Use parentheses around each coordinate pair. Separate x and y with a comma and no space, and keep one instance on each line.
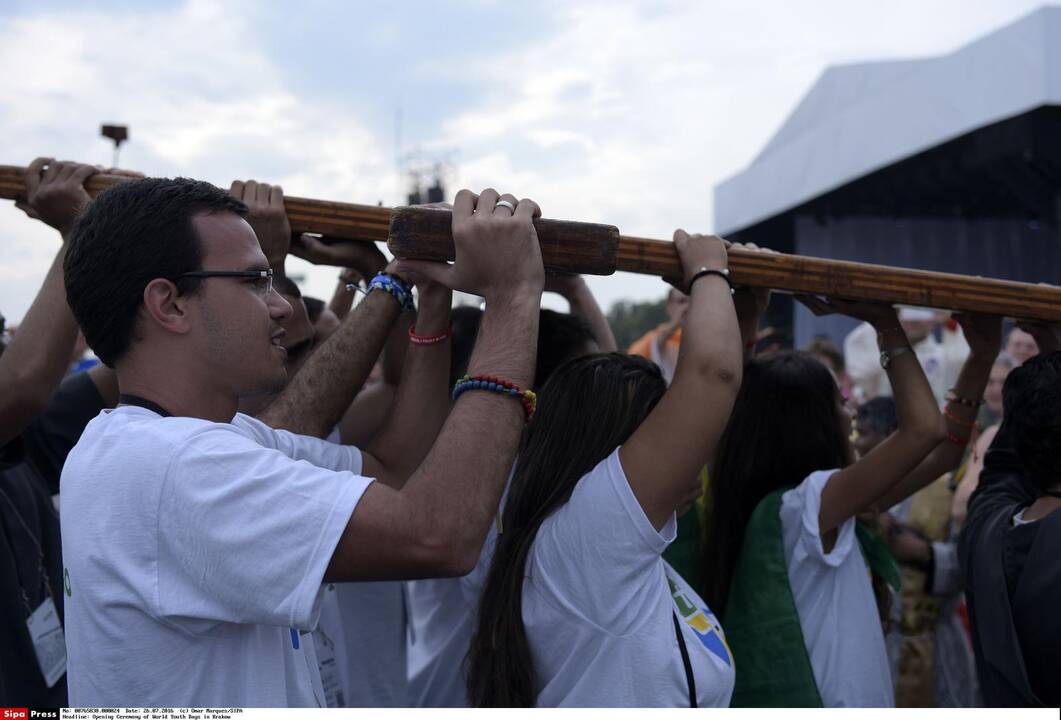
(263,278)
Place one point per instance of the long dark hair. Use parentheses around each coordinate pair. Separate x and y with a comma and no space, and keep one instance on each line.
(589,407)
(785,425)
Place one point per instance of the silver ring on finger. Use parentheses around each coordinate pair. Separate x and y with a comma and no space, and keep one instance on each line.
(505,203)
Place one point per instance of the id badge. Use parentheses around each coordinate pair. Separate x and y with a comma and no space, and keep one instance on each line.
(48,641)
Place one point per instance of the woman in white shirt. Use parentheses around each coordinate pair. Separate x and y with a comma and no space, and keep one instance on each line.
(579,607)
(800,585)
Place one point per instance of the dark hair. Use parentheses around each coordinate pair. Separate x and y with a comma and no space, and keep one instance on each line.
(1031,402)
(286,286)
(785,425)
(131,234)
(879,415)
(589,407)
(314,308)
(561,337)
(823,345)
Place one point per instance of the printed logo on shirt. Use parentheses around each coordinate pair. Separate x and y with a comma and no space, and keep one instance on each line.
(703,622)
(66,581)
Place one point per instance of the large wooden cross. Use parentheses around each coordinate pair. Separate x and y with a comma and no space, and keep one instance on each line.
(600,250)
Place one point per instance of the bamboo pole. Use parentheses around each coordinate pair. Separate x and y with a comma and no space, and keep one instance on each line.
(600,249)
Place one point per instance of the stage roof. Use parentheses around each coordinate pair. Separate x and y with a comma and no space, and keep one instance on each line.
(859,118)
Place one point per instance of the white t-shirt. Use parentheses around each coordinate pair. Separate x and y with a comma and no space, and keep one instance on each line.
(361,644)
(941,361)
(835,602)
(360,641)
(599,604)
(442,617)
(194,553)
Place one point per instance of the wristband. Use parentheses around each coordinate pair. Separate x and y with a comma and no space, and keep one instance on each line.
(495,384)
(396,287)
(429,339)
(957,439)
(722,273)
(957,420)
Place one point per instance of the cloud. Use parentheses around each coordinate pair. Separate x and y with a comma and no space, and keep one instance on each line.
(201,96)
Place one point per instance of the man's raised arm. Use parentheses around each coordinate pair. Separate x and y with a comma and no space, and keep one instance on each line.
(39,355)
(435,525)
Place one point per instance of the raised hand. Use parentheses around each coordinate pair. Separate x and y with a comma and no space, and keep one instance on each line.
(362,256)
(55,192)
(496,248)
(700,251)
(267,217)
(880,315)
(983,333)
(1047,337)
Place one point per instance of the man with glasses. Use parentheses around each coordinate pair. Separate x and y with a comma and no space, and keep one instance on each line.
(197,538)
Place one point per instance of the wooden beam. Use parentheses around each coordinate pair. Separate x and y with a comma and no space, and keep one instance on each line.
(600,249)
(786,273)
(335,219)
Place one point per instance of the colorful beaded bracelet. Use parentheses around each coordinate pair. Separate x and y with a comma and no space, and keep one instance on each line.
(396,287)
(429,339)
(495,384)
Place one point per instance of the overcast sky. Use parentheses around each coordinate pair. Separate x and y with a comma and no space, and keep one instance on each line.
(624,113)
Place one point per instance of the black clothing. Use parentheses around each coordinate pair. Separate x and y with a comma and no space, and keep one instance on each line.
(29,475)
(1013,585)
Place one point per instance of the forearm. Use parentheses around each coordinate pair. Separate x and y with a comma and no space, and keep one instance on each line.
(585,306)
(395,348)
(39,355)
(316,398)
(422,400)
(711,345)
(457,488)
(959,420)
(915,405)
(342,299)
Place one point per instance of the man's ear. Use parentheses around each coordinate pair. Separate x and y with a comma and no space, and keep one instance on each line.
(166,307)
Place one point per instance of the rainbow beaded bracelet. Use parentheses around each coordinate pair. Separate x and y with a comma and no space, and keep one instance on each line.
(495,384)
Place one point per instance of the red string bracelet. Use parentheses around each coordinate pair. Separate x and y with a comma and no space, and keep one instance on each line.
(957,439)
(429,339)
(957,420)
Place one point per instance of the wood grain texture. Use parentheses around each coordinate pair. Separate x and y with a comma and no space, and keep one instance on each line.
(335,219)
(599,249)
(574,247)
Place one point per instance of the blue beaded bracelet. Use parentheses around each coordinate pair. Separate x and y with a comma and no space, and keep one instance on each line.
(396,287)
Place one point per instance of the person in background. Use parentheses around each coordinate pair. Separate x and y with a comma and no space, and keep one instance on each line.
(1008,546)
(1021,346)
(660,345)
(802,610)
(324,321)
(941,360)
(875,421)
(41,418)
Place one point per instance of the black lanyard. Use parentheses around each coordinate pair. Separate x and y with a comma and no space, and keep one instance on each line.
(690,682)
(124,399)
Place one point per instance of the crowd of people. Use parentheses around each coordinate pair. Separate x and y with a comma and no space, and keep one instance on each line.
(250,497)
